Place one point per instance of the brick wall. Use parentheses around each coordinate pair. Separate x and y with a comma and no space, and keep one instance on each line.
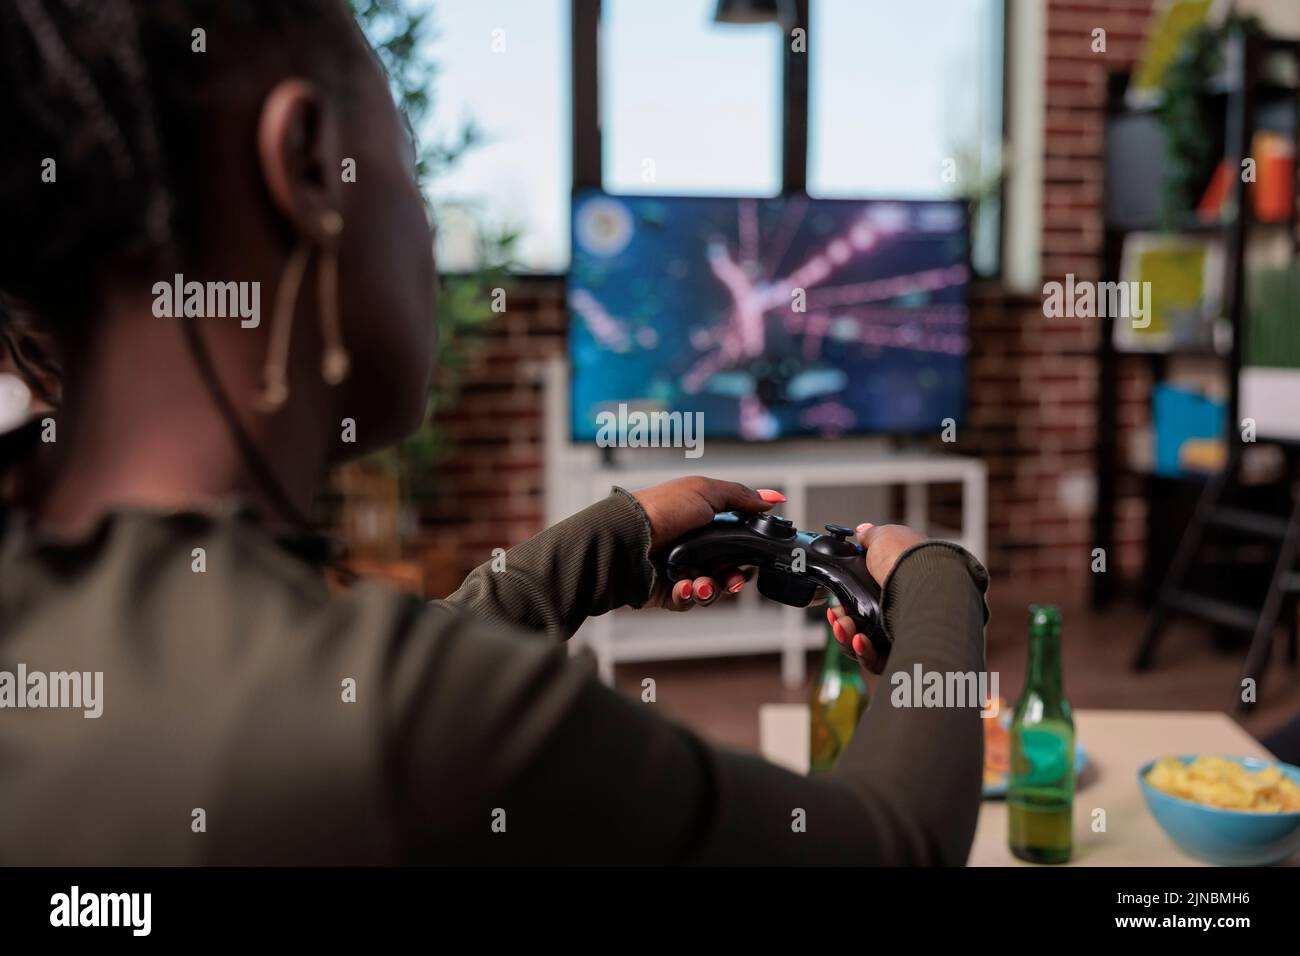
(1032,379)
(490,491)
(1071,242)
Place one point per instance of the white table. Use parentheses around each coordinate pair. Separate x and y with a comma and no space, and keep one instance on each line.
(1118,742)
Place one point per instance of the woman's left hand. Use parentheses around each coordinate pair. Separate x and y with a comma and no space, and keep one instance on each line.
(682,505)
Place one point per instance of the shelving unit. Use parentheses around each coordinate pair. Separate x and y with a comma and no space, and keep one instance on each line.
(1234,566)
(1134,173)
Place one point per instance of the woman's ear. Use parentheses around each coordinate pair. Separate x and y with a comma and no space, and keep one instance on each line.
(299,145)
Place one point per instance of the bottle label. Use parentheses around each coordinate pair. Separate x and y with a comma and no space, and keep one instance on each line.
(1046,758)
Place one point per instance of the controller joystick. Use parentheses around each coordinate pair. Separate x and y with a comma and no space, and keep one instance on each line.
(792,565)
(838,544)
(772,526)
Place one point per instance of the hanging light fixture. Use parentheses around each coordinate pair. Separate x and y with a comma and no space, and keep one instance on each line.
(754,11)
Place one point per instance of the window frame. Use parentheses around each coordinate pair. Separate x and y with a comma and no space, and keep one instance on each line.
(584,78)
(587,157)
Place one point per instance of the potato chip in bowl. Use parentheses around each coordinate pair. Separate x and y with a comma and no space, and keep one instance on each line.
(1223,783)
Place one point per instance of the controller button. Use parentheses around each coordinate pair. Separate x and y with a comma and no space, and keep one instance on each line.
(840,532)
(772,526)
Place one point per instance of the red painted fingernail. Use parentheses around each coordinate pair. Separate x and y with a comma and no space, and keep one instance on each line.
(830,615)
(704,591)
(686,589)
(859,644)
(864,526)
(838,628)
(770,496)
(735,588)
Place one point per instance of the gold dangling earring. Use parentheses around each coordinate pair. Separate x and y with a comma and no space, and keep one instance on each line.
(335,361)
(275,373)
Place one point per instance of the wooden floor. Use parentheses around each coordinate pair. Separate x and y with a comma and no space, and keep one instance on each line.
(719,698)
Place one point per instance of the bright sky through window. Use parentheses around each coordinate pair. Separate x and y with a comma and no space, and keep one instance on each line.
(691,107)
(897,88)
(505,65)
(688,106)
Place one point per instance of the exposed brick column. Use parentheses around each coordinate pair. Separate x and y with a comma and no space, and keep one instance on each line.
(1072,238)
(491,482)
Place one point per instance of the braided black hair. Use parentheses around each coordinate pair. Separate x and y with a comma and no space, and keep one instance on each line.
(113,92)
(116,94)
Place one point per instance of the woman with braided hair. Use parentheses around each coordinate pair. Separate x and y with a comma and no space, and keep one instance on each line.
(153,544)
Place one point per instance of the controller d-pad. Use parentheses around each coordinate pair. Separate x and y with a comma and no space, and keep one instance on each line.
(773,526)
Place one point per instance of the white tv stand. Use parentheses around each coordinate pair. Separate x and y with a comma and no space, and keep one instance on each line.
(578,475)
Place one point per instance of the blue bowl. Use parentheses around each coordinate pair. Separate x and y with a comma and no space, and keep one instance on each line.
(1226,837)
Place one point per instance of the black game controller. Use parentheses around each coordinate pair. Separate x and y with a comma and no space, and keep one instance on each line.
(792,564)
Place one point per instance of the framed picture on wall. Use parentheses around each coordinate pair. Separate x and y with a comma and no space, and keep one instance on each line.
(1172,293)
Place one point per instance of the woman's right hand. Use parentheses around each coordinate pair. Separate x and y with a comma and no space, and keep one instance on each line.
(884,545)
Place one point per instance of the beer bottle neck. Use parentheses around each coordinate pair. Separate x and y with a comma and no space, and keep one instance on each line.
(833,658)
(835,661)
(1044,673)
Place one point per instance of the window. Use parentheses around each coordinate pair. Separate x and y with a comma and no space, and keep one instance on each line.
(504,65)
(688,106)
(905,101)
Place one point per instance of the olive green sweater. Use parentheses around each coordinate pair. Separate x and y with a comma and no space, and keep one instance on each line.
(249,716)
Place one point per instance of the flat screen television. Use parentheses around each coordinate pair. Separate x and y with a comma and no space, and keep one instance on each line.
(773,317)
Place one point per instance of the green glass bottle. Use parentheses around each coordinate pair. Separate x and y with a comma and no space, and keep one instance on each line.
(839,696)
(1040,793)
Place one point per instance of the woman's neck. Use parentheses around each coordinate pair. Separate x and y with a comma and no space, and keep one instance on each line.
(139,428)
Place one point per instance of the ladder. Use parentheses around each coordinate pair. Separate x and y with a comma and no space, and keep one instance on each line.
(1215,515)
